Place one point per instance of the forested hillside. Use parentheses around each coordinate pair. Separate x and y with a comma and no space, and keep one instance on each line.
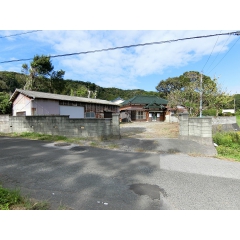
(9,81)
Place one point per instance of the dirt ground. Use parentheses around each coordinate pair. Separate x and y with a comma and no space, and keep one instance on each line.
(139,137)
(149,130)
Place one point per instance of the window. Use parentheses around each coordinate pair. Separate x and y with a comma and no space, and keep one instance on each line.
(90,114)
(140,115)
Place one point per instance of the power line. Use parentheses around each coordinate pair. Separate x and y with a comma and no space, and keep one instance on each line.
(218,53)
(210,53)
(18,34)
(226,54)
(129,46)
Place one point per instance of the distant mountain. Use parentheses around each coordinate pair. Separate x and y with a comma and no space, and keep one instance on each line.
(9,81)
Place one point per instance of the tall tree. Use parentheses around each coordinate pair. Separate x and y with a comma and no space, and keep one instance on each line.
(40,69)
(188,93)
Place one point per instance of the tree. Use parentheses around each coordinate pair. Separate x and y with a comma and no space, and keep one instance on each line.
(188,94)
(56,83)
(40,69)
(219,99)
(5,104)
(171,84)
(3,86)
(9,81)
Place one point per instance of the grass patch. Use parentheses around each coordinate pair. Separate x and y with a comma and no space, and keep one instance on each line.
(43,137)
(12,200)
(228,144)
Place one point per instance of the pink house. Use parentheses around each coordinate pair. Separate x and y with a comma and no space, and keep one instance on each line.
(32,103)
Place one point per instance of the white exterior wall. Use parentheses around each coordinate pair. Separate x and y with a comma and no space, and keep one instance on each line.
(45,107)
(72,111)
(22,104)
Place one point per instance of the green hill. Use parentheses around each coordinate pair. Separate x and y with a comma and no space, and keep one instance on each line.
(9,81)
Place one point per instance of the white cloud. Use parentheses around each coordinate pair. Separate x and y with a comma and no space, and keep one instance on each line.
(123,67)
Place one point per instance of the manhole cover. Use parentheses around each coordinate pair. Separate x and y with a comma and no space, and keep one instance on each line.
(62,144)
(78,149)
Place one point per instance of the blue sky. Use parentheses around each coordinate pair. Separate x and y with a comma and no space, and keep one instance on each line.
(134,68)
(138,67)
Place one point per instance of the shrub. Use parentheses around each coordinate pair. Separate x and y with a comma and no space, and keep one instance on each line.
(227,138)
(228,144)
(228,114)
(209,112)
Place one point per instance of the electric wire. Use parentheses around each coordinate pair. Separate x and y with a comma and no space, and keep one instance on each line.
(225,54)
(129,46)
(18,34)
(211,52)
(218,53)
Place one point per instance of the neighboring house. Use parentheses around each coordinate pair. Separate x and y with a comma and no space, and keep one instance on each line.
(32,103)
(118,100)
(173,113)
(228,111)
(143,108)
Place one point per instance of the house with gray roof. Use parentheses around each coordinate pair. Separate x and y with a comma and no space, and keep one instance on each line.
(32,103)
(143,108)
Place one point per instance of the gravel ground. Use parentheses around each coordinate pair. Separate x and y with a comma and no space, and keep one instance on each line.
(149,130)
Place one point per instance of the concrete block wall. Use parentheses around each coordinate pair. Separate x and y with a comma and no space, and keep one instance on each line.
(4,123)
(171,118)
(195,129)
(62,125)
(183,125)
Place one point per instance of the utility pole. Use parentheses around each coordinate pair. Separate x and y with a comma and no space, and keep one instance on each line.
(201,90)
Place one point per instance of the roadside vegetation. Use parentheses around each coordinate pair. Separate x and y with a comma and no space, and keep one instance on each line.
(99,143)
(40,136)
(228,144)
(238,119)
(12,200)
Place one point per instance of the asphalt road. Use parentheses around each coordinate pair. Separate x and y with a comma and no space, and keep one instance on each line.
(78,178)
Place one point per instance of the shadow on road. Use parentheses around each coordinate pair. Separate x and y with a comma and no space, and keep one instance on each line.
(90,179)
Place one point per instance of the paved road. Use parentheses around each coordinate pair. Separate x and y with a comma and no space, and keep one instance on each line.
(90,178)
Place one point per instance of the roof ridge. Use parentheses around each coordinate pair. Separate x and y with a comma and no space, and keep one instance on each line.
(55,96)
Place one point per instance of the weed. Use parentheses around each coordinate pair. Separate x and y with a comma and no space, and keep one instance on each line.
(228,144)
(9,198)
(12,200)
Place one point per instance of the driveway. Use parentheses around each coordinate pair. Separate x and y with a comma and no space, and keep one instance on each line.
(84,177)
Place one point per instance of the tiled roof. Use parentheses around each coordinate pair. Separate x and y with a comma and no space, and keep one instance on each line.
(43,95)
(145,100)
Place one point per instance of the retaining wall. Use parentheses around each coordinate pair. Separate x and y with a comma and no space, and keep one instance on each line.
(224,124)
(224,120)
(62,125)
